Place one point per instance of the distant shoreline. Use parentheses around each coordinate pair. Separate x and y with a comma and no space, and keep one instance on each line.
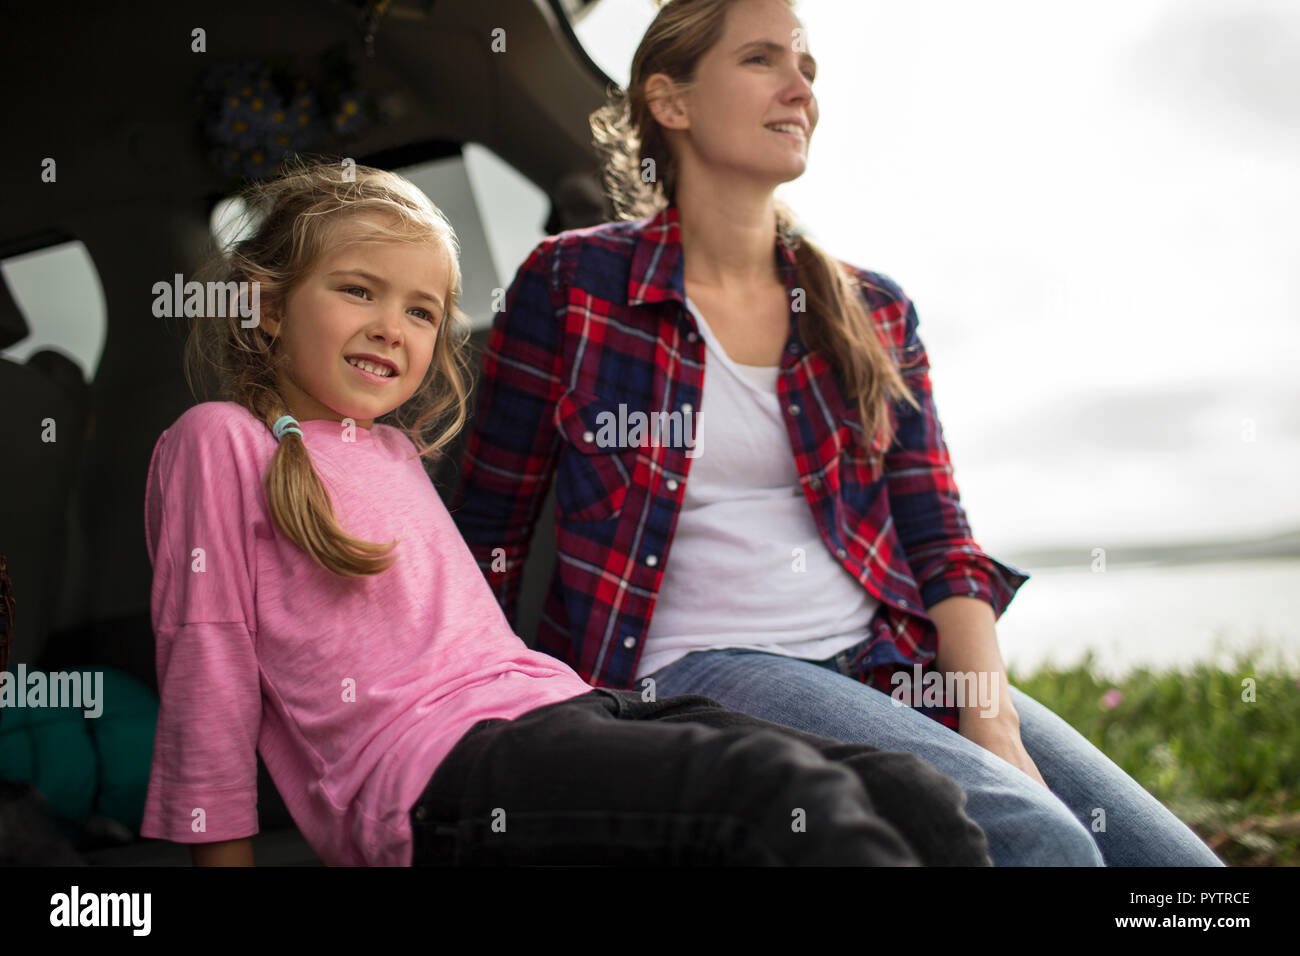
(1285,546)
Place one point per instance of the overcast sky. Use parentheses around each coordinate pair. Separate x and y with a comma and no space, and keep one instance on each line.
(1096,211)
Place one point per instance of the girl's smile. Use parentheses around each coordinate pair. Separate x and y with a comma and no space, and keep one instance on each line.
(371,376)
(372,367)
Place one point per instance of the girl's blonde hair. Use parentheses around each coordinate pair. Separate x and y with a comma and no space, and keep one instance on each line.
(296,218)
(836,322)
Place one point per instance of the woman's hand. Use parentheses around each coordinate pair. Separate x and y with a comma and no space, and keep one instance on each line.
(999,735)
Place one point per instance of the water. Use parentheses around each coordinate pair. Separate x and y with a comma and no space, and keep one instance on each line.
(1159,616)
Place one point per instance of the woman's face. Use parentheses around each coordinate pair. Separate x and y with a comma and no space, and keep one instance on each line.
(381,299)
(759,74)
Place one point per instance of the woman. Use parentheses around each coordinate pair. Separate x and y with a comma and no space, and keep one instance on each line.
(820,558)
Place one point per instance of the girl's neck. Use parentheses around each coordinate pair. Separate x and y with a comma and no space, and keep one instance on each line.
(305,408)
(728,230)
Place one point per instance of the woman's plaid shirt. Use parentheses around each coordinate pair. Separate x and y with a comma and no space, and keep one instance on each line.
(595,319)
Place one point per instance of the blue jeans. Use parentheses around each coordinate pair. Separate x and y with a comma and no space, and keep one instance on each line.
(1025,824)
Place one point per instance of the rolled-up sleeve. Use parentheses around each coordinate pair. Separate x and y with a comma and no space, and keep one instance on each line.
(924,501)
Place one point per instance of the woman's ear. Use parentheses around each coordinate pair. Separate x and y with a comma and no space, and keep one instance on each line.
(666,103)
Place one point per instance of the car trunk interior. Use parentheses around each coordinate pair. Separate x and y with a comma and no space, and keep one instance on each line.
(116,109)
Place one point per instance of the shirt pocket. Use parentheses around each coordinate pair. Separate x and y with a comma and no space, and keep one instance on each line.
(594,471)
(860,465)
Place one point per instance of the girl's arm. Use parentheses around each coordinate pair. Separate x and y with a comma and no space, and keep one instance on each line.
(225,853)
(201,517)
(509,460)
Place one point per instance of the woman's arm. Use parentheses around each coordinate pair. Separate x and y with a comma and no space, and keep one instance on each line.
(963,588)
(968,644)
(924,502)
(223,853)
(509,458)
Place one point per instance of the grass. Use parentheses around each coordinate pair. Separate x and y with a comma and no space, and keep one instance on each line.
(1228,767)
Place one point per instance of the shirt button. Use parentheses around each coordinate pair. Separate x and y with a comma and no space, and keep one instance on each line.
(651,560)
(672,484)
(815,483)
(792,348)
(841,554)
(420,813)
(903,604)
(793,409)
(588,437)
(629,641)
(692,337)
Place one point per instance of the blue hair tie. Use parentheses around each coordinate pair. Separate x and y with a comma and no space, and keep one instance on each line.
(285,424)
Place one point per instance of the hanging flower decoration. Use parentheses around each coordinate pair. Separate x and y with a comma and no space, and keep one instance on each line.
(255,113)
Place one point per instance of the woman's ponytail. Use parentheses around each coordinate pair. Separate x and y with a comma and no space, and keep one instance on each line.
(842,330)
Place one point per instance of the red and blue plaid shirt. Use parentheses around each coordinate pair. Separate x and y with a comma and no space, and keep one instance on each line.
(596,318)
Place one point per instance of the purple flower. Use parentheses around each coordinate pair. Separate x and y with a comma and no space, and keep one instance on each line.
(1111,699)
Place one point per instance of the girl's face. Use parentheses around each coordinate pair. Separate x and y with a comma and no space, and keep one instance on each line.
(759,74)
(379,300)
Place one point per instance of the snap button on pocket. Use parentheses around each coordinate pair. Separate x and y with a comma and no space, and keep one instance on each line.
(592,477)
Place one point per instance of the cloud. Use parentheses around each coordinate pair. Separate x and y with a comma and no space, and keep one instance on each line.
(1138,423)
(1242,57)
(1139,420)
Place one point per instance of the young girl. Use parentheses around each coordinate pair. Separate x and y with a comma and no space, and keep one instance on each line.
(313,602)
(802,547)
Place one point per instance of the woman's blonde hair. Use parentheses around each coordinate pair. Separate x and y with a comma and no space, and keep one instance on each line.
(626,134)
(295,219)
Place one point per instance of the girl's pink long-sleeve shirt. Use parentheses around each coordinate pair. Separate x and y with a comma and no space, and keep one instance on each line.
(352,689)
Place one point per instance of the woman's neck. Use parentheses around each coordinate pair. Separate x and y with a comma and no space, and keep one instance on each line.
(727,235)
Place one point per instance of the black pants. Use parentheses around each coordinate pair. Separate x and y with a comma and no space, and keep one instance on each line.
(607,778)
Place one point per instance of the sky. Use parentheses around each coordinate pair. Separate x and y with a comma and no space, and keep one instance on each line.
(1095,209)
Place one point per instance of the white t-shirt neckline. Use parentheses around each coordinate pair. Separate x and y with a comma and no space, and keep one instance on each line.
(761,378)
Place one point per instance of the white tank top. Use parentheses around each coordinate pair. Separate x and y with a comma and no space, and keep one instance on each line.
(732,577)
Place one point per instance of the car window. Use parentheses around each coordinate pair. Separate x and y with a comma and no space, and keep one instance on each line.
(497,213)
(58,292)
